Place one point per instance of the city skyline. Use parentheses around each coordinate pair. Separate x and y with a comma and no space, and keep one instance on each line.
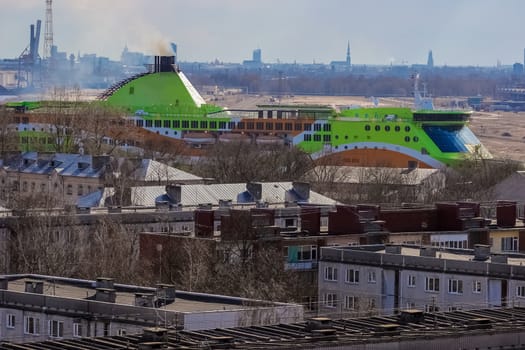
(465,32)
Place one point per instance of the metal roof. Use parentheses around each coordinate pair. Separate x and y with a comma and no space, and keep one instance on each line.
(319,333)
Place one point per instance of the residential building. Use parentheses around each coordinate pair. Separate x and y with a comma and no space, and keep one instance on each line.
(411,329)
(383,279)
(38,308)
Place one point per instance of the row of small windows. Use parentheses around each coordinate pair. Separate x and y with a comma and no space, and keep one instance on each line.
(397,128)
(317,137)
(81,189)
(205,124)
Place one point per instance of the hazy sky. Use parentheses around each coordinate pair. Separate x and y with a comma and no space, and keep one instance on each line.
(460,32)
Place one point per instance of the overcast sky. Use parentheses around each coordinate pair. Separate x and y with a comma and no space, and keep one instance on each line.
(460,32)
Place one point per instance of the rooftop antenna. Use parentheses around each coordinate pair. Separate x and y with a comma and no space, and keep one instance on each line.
(48,34)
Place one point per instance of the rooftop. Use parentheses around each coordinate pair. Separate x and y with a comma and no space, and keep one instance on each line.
(497,327)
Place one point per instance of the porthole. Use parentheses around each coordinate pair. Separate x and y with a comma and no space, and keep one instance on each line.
(387,127)
(407,128)
(377,127)
(367,127)
(415,139)
(397,128)
(165,133)
(407,138)
(346,137)
(346,147)
(336,137)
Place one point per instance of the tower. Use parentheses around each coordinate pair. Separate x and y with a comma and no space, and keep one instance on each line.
(48,34)
(256,56)
(348,58)
(430,60)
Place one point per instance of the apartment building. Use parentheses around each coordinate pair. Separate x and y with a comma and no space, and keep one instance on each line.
(37,308)
(383,279)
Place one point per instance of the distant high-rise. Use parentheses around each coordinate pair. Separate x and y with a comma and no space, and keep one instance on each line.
(430,60)
(256,56)
(348,58)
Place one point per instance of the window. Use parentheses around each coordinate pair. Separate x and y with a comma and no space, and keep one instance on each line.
(176,124)
(69,189)
(231,125)
(288,126)
(326,138)
(167,123)
(307,253)
(158,123)
(520,291)
(307,127)
(455,286)
(431,308)
(259,125)
(80,190)
(10,321)
(317,138)
(185,124)
(149,123)
(204,124)
(31,325)
(240,125)
(476,287)
(371,303)
(24,186)
(387,127)
(330,273)
(371,277)
(352,276)
(285,252)
(307,137)
(56,328)
(249,125)
(42,187)
(509,244)
(317,127)
(106,330)
(432,284)
(297,127)
(397,128)
(327,127)
(77,329)
(278,126)
(411,281)
(407,128)
(121,332)
(194,124)
(269,126)
(377,128)
(367,127)
(330,300)
(351,302)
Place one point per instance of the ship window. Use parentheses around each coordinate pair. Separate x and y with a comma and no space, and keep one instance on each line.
(278,126)
(327,127)
(288,126)
(317,138)
(231,125)
(451,138)
(204,124)
(377,127)
(317,127)
(307,127)
(407,138)
(407,128)
(424,150)
(139,123)
(337,137)
(158,123)
(307,137)
(297,127)
(222,125)
(194,124)
(259,125)
(167,123)
(213,125)
(397,128)
(250,125)
(415,139)
(149,123)
(185,124)
(387,127)
(326,138)
(269,126)
(367,127)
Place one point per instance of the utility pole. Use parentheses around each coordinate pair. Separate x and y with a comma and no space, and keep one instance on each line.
(48,34)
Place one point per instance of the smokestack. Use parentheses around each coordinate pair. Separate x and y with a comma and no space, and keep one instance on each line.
(164,64)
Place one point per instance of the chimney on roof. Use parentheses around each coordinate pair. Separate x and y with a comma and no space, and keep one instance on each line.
(302,189)
(144,299)
(481,252)
(106,295)
(166,293)
(36,287)
(255,190)
(104,282)
(174,192)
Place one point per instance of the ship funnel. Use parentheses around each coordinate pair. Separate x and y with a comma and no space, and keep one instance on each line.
(164,64)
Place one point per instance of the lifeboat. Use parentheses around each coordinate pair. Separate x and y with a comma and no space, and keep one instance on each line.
(269,140)
(201,138)
(234,138)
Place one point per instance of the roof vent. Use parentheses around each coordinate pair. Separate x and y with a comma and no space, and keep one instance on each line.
(144,299)
(411,316)
(481,252)
(106,295)
(104,282)
(392,249)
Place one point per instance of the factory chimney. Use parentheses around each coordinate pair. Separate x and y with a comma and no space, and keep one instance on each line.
(164,64)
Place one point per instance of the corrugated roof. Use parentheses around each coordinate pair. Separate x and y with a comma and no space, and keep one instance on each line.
(151,170)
